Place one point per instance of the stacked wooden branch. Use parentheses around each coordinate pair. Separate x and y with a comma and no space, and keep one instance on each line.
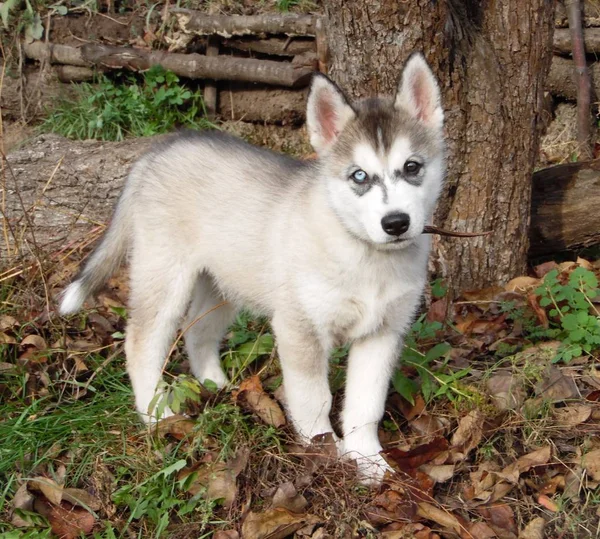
(561,80)
(270,50)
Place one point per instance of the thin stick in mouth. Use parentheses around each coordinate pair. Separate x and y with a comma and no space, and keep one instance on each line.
(430,229)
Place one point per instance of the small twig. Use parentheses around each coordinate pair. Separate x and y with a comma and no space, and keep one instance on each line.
(430,229)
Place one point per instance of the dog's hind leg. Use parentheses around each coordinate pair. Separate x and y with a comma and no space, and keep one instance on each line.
(203,338)
(160,292)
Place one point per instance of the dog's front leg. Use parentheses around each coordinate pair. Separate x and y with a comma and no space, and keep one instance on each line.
(370,367)
(305,367)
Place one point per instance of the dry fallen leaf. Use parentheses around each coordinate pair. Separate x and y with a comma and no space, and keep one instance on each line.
(410,530)
(480,530)
(274,524)
(22,501)
(288,498)
(534,530)
(7,339)
(546,502)
(408,410)
(34,340)
(524,463)
(82,498)
(539,311)
(501,519)
(217,480)
(555,386)
(66,520)
(48,487)
(226,534)
(392,505)
(506,390)
(469,433)
(253,396)
(7,321)
(439,473)
(591,463)
(440,516)
(544,268)
(522,284)
(422,454)
(572,415)
(178,426)
(427,426)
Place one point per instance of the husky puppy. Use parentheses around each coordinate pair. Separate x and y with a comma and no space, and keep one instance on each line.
(331,250)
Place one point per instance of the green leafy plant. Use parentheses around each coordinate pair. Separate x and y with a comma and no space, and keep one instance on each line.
(158,496)
(175,393)
(434,383)
(127,106)
(249,340)
(574,319)
(286,5)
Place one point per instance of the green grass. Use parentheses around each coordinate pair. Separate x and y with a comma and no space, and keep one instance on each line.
(127,105)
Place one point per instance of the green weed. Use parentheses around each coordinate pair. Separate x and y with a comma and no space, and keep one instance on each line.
(249,339)
(302,5)
(575,320)
(433,383)
(128,107)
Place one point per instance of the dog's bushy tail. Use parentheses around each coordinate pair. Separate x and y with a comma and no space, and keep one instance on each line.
(107,257)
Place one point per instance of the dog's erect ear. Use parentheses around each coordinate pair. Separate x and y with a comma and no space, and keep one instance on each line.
(419,92)
(327,112)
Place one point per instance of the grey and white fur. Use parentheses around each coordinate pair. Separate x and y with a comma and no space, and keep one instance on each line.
(331,250)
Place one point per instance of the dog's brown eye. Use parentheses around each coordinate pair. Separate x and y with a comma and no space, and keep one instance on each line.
(411,168)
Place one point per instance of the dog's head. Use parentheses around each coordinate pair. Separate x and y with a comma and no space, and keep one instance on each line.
(384,159)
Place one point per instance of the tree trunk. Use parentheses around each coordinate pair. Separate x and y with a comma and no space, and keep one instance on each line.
(492,59)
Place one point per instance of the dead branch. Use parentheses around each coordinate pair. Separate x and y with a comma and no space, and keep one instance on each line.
(195,22)
(275,46)
(582,78)
(193,66)
(560,79)
(562,41)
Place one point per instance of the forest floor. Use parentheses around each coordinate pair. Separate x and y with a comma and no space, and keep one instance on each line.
(492,423)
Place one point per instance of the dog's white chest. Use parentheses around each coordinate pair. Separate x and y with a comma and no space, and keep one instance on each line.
(351,311)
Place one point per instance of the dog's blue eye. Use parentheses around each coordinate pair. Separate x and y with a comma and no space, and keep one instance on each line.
(359,176)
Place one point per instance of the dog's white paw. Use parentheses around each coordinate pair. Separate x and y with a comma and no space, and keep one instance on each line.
(371,465)
(216,376)
(371,468)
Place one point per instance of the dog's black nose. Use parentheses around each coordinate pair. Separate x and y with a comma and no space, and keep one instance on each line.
(395,224)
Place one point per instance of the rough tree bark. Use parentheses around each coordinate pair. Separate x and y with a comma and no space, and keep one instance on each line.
(492,59)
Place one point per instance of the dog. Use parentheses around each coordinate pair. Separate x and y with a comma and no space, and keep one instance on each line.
(331,250)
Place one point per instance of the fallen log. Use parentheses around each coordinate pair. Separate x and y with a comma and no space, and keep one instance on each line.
(562,41)
(198,23)
(560,81)
(564,208)
(58,190)
(193,66)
